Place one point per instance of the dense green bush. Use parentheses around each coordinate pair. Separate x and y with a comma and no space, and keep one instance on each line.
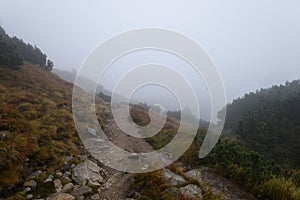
(278,188)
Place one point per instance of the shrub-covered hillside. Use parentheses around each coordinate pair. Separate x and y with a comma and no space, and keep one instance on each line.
(268,121)
(13,52)
(263,156)
(36,123)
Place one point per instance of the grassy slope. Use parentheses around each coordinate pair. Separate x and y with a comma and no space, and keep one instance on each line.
(35,108)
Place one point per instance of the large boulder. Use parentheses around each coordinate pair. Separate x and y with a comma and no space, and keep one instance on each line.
(87,172)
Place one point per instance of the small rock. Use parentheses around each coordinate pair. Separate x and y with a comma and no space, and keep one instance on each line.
(67,158)
(191,191)
(29,196)
(66,165)
(34,174)
(67,174)
(68,187)
(174,179)
(113,180)
(77,192)
(95,197)
(32,184)
(61,196)
(47,180)
(58,185)
(194,173)
(80,197)
(66,179)
(133,156)
(27,189)
(87,171)
(59,174)
(137,195)
(91,131)
(93,183)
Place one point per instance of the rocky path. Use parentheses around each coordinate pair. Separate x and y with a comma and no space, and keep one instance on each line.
(93,180)
(219,184)
(118,185)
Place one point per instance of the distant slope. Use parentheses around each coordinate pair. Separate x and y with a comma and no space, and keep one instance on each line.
(71,75)
(268,121)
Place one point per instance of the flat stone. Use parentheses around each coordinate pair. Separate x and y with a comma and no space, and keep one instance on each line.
(95,197)
(87,171)
(47,180)
(194,173)
(29,196)
(133,156)
(191,191)
(68,187)
(113,180)
(91,131)
(59,174)
(34,174)
(61,196)
(67,174)
(80,197)
(77,192)
(66,179)
(27,189)
(32,184)
(174,179)
(58,185)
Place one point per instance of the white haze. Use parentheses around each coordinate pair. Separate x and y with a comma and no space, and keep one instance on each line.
(254,43)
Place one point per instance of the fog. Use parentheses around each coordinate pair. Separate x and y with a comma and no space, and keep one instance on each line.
(254,43)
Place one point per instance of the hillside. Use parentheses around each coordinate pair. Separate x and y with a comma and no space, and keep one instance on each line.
(259,150)
(36,124)
(14,51)
(41,156)
(268,122)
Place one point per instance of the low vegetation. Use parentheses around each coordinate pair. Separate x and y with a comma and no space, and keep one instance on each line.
(36,124)
(237,156)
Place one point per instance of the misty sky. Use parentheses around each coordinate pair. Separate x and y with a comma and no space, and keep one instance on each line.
(254,43)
